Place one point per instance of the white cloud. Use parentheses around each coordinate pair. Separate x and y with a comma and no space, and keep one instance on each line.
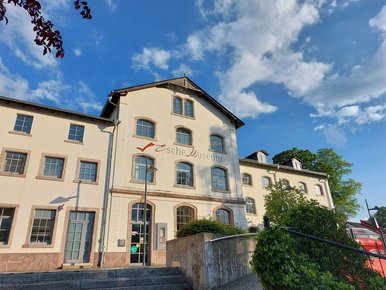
(54,91)
(152,57)
(19,36)
(182,70)
(111,4)
(379,21)
(77,51)
(334,135)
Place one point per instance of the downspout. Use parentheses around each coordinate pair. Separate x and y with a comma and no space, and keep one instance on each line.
(109,183)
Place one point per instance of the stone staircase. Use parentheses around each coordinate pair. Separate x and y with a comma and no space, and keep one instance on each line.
(127,278)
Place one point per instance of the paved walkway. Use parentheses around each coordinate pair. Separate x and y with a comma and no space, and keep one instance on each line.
(249,282)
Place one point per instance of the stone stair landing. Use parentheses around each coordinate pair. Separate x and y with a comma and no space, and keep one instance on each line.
(128,278)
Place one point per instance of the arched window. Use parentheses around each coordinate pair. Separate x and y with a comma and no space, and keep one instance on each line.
(188,108)
(145,128)
(250,205)
(247,179)
(266,181)
(139,171)
(185,214)
(217,143)
(184,174)
(177,105)
(183,136)
(219,179)
(223,216)
(284,183)
(302,187)
(318,190)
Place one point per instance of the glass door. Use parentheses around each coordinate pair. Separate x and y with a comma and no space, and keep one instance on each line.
(79,237)
(137,234)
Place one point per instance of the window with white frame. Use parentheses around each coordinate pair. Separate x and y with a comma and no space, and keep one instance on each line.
(53,167)
(185,214)
(6,218)
(42,226)
(23,123)
(140,168)
(250,205)
(183,107)
(14,163)
(76,133)
(177,105)
(145,128)
(247,179)
(217,143)
(223,216)
(219,179)
(183,136)
(318,190)
(88,171)
(184,174)
(266,181)
(302,187)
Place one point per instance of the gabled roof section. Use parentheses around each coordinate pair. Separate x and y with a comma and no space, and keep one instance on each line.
(21,103)
(181,83)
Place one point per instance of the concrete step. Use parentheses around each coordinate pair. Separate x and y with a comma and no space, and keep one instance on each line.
(128,278)
(85,274)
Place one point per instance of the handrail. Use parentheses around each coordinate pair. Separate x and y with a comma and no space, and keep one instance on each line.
(230,237)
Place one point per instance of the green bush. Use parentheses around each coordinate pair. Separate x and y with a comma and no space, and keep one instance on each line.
(279,266)
(208,226)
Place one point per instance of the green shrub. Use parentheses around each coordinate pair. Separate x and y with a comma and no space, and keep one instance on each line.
(208,226)
(279,266)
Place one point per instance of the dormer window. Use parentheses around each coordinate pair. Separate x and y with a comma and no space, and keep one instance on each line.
(296,164)
(261,157)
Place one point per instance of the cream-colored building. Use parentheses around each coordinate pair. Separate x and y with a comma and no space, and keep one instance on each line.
(53,165)
(191,141)
(258,175)
(72,186)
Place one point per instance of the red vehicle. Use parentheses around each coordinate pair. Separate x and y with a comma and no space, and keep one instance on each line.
(371,242)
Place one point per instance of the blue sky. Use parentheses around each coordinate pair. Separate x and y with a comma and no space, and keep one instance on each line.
(307,74)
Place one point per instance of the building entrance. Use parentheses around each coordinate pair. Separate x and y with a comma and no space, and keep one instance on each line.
(137,234)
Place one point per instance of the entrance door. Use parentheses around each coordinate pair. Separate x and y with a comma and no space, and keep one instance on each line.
(137,234)
(79,236)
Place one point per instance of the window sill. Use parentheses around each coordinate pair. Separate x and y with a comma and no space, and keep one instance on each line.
(2,246)
(144,137)
(184,186)
(215,151)
(49,178)
(246,185)
(12,174)
(251,214)
(142,182)
(221,191)
(37,245)
(180,115)
(183,145)
(73,142)
(20,133)
(85,181)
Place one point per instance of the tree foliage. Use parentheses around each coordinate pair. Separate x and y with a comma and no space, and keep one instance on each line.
(380,215)
(285,261)
(208,226)
(280,200)
(343,190)
(46,36)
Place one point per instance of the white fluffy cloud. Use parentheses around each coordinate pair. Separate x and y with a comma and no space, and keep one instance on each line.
(152,57)
(19,36)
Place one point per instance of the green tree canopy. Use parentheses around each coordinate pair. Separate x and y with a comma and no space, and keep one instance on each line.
(343,190)
(380,215)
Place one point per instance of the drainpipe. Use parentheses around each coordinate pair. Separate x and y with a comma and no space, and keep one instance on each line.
(105,229)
